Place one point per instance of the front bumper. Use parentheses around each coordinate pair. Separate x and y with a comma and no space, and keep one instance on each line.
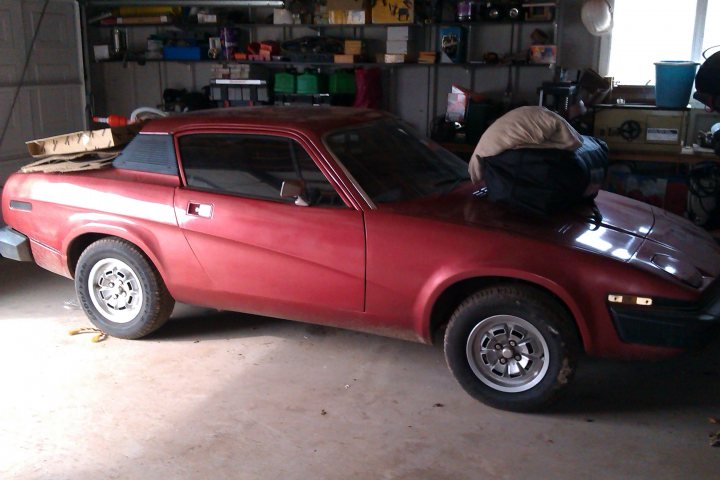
(14,245)
(670,323)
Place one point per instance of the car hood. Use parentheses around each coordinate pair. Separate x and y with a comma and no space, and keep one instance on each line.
(622,226)
(676,237)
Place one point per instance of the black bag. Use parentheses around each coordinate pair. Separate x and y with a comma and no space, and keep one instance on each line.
(545,181)
(707,81)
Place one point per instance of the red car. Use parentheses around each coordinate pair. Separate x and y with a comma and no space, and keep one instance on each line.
(347,218)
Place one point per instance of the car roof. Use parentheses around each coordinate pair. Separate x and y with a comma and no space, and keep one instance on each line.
(317,120)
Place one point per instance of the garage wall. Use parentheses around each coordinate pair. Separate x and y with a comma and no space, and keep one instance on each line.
(52,98)
(417,93)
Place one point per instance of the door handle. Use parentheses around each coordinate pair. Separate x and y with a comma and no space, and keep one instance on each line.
(199,210)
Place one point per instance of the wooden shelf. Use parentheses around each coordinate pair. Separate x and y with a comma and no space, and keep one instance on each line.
(686,156)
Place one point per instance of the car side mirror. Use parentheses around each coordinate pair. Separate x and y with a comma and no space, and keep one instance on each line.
(294,189)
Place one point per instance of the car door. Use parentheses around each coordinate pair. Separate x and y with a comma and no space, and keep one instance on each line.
(266,254)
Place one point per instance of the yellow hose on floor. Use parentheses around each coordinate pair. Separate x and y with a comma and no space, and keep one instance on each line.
(95,339)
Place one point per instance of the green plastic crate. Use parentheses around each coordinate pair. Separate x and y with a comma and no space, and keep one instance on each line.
(342,82)
(285,82)
(311,83)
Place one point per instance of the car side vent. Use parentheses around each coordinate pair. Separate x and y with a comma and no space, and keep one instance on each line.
(149,153)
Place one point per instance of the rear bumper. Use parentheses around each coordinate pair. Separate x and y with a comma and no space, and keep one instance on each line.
(670,323)
(14,245)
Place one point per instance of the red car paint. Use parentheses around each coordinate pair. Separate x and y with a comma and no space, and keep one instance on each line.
(382,268)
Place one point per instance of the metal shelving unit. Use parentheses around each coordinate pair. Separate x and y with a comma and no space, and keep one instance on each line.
(429,39)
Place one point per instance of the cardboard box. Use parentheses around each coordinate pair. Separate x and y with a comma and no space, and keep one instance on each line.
(398,33)
(394,11)
(85,141)
(347,17)
(345,58)
(142,20)
(282,16)
(427,57)
(390,58)
(345,4)
(356,17)
(101,52)
(206,18)
(337,17)
(543,54)
(353,47)
(396,46)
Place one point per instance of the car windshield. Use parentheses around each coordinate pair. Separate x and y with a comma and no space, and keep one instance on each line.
(391,163)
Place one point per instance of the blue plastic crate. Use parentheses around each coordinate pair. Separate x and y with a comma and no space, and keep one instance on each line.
(182,53)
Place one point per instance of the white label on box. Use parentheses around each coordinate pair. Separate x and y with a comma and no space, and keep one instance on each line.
(663,135)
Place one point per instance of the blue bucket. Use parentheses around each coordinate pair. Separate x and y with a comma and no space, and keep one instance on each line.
(673,83)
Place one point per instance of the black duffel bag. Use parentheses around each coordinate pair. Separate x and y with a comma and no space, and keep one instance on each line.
(707,80)
(545,181)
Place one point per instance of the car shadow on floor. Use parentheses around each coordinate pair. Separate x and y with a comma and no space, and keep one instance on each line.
(600,386)
(689,380)
(189,323)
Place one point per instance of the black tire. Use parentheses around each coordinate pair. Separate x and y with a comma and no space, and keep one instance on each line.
(129,298)
(546,345)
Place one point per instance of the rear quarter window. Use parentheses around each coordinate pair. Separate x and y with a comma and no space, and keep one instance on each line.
(149,153)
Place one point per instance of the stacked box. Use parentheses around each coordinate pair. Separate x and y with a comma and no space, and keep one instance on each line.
(397,40)
(353,47)
(344,58)
(427,57)
(390,58)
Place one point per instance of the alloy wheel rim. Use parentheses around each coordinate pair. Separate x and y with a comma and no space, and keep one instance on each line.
(507,353)
(115,290)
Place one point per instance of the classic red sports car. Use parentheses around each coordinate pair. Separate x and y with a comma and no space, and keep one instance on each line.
(347,218)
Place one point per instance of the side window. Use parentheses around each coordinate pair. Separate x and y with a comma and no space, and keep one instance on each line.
(252,166)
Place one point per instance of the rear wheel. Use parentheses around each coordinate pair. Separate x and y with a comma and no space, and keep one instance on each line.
(121,292)
(512,347)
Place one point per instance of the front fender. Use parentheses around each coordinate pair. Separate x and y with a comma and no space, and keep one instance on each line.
(446,278)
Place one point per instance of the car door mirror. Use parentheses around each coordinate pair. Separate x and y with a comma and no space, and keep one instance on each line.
(294,189)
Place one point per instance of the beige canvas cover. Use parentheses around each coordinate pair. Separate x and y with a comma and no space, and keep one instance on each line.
(523,127)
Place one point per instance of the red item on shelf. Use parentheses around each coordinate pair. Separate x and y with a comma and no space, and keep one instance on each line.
(112,120)
(253,48)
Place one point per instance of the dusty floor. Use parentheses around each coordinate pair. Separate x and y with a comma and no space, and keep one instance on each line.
(230,396)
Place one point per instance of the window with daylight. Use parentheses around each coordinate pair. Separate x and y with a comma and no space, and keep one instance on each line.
(648,31)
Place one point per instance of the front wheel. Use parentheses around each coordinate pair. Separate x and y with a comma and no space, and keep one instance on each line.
(512,347)
(120,290)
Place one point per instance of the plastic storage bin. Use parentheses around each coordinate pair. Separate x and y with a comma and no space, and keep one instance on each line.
(342,82)
(311,83)
(285,82)
(673,83)
(182,53)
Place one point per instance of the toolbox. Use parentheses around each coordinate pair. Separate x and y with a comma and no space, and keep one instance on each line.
(641,128)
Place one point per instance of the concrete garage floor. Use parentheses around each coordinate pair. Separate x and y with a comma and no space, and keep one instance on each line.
(233,396)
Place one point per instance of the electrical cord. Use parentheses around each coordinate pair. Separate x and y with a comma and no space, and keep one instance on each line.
(703,182)
(24,72)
